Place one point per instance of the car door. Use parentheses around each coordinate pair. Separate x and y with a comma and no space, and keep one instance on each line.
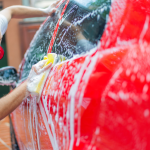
(79,26)
(100,100)
(63,101)
(88,101)
(24,119)
(79,102)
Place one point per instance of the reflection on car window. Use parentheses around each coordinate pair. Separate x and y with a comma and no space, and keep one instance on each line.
(39,46)
(81,27)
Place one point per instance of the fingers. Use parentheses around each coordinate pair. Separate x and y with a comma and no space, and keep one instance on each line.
(44,68)
(36,74)
(51,10)
(38,66)
(55,3)
(32,73)
(34,68)
(52,13)
(48,66)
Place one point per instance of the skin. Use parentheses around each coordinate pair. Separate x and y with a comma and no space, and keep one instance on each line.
(11,101)
(20,12)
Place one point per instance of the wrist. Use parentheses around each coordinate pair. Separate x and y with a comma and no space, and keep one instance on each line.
(26,92)
(24,87)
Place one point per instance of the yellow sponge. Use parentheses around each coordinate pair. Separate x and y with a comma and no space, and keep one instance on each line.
(50,57)
(38,88)
(45,57)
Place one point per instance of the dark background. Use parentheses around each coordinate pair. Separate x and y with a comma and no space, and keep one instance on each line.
(3,62)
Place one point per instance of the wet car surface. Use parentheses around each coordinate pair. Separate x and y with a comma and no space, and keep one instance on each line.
(98,98)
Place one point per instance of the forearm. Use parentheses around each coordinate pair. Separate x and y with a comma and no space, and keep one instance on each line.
(11,101)
(18,11)
(25,12)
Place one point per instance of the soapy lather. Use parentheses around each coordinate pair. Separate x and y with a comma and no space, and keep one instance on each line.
(36,75)
(39,74)
(40,71)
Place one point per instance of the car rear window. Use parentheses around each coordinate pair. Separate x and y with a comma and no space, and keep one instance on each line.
(79,31)
(81,27)
(39,46)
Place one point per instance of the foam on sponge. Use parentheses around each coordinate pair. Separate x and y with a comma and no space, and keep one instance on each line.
(51,58)
(36,86)
(38,82)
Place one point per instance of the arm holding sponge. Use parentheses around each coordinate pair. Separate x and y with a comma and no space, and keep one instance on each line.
(39,73)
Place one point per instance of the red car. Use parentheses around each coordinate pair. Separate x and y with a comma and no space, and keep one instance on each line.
(98,98)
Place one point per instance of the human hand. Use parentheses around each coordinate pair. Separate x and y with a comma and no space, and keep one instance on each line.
(35,75)
(52,8)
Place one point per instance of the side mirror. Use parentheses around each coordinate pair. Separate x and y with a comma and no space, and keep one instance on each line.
(8,76)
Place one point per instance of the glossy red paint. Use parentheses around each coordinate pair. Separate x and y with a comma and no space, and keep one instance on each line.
(100,100)
(117,114)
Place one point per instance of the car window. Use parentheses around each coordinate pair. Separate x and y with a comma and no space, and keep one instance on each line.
(81,27)
(79,31)
(39,46)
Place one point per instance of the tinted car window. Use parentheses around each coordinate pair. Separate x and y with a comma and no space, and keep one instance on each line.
(81,27)
(39,46)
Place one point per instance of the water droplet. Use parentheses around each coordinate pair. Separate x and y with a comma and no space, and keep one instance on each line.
(124,84)
(145,88)
(148,77)
(142,78)
(128,72)
(97,131)
(98,17)
(146,113)
(133,77)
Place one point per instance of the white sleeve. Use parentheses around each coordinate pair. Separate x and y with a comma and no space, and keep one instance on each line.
(3,24)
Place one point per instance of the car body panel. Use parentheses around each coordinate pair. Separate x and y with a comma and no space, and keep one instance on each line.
(97,100)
